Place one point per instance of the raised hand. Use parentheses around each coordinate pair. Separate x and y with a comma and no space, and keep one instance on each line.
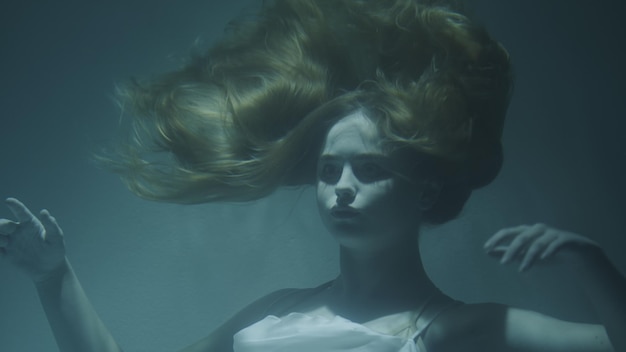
(531,243)
(33,244)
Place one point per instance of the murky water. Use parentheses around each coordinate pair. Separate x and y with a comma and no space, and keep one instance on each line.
(163,276)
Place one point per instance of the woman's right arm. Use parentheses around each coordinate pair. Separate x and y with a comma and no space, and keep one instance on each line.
(36,246)
(75,324)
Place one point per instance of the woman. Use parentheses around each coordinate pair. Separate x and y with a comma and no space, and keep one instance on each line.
(390,155)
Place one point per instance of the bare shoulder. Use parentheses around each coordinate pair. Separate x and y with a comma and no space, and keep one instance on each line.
(497,327)
(468,327)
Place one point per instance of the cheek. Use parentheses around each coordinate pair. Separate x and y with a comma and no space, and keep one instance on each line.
(397,202)
(323,199)
(323,192)
(380,194)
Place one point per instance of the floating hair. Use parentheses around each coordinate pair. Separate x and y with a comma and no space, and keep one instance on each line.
(246,117)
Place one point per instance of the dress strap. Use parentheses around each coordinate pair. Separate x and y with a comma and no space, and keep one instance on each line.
(285,303)
(431,310)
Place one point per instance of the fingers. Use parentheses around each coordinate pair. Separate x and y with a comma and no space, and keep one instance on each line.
(553,247)
(537,249)
(514,241)
(525,243)
(53,230)
(47,226)
(501,236)
(530,244)
(521,242)
(7,227)
(20,211)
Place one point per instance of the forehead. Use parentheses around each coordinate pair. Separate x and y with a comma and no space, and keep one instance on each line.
(353,134)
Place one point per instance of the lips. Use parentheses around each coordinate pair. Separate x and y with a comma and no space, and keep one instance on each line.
(343,212)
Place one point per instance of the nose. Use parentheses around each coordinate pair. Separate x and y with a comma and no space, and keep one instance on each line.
(346,187)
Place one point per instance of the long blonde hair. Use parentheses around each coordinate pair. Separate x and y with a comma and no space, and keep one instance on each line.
(244,118)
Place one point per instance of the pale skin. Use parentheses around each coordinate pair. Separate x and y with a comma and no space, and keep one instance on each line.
(372,210)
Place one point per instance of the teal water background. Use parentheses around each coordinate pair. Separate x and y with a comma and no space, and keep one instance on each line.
(162,276)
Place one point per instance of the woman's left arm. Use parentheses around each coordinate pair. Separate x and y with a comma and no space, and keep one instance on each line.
(602,282)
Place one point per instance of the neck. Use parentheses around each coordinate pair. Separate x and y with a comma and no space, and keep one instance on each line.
(389,280)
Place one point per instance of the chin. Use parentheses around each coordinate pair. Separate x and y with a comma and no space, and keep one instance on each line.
(347,230)
(354,236)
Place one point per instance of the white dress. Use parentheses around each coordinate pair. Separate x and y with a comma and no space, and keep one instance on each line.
(299,332)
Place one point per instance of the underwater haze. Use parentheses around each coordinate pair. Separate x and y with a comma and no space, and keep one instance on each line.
(162,276)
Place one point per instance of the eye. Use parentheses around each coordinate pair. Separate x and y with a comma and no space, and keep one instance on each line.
(370,172)
(329,173)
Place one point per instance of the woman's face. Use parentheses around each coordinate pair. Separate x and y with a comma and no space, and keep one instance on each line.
(363,198)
